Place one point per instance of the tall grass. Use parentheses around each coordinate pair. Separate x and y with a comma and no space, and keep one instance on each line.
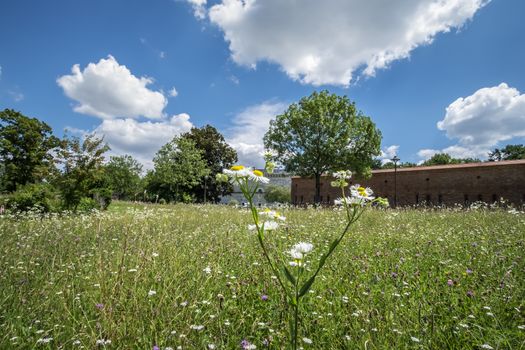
(193,277)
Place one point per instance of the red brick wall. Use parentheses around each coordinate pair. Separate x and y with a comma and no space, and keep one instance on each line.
(446,185)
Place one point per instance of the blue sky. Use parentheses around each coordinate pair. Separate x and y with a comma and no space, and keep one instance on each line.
(236,64)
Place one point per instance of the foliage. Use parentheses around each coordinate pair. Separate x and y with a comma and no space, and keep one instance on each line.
(40,196)
(218,155)
(445,158)
(83,172)
(123,176)
(509,152)
(178,168)
(323,133)
(277,194)
(26,146)
(87,204)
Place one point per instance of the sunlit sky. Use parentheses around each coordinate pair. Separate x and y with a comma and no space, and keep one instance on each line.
(434,75)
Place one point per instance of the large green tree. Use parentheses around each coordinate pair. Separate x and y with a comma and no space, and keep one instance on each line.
(83,171)
(26,146)
(323,132)
(123,176)
(218,155)
(509,152)
(178,168)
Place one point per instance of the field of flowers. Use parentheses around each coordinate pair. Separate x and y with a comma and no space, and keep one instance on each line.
(193,277)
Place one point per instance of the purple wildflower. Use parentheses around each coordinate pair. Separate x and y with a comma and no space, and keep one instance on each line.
(450,282)
(469,271)
(155,347)
(264,297)
(470,294)
(99,306)
(393,274)
(246,345)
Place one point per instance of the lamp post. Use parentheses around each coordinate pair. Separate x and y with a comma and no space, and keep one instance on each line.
(395,160)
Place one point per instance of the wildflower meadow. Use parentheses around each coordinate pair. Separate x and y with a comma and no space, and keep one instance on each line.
(194,277)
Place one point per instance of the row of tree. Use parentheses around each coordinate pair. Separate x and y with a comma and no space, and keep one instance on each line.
(509,152)
(38,168)
(321,133)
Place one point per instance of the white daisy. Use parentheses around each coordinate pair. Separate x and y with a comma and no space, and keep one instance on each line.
(362,193)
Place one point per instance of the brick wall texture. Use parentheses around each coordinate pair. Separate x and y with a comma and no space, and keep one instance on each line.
(433,185)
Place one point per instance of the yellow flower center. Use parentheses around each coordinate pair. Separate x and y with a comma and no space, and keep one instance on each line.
(237,167)
(258,173)
(362,191)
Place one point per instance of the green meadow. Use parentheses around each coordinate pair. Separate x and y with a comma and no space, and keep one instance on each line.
(193,277)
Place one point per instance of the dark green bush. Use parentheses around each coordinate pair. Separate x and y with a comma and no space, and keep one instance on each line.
(277,194)
(87,204)
(33,196)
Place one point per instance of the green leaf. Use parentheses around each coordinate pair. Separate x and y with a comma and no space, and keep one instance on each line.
(306,287)
(289,276)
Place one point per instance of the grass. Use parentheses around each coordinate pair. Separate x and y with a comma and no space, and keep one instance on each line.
(193,277)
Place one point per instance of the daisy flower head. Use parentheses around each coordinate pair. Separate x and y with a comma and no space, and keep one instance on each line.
(343,174)
(353,201)
(363,193)
(270,225)
(272,214)
(237,172)
(298,252)
(258,176)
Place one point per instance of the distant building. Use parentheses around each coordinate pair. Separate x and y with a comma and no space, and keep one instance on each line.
(278,178)
(432,185)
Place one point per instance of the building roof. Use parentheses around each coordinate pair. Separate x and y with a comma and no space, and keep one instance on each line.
(449,166)
(454,166)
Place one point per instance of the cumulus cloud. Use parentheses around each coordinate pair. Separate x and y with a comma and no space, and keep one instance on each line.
(388,153)
(142,139)
(108,90)
(482,120)
(326,42)
(250,125)
(199,8)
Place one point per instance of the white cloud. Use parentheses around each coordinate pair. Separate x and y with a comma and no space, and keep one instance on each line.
(482,120)
(199,8)
(388,153)
(108,90)
(17,96)
(142,139)
(0,72)
(250,125)
(326,42)
(173,92)
(427,153)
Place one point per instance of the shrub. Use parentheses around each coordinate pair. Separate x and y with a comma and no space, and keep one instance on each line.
(87,204)
(41,196)
(277,194)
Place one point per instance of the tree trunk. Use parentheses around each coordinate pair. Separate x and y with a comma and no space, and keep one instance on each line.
(317,198)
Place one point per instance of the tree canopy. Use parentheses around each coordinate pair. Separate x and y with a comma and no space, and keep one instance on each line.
(322,133)
(218,155)
(509,152)
(123,175)
(26,146)
(178,167)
